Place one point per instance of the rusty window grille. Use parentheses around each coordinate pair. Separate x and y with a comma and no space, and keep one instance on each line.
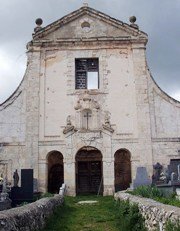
(87,73)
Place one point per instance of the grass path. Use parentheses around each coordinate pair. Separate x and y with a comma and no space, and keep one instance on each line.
(95,217)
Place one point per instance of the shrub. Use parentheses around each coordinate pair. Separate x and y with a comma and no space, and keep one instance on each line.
(47,194)
(129,217)
(156,194)
(148,191)
(172,226)
(24,203)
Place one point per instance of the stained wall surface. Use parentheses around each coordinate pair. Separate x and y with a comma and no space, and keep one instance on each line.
(129,111)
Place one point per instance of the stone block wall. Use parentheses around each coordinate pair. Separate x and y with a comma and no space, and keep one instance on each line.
(156,214)
(29,217)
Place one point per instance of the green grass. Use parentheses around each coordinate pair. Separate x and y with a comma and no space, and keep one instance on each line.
(106,215)
(172,226)
(169,201)
(96,217)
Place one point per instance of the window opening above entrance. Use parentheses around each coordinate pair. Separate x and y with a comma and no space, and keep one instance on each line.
(87,73)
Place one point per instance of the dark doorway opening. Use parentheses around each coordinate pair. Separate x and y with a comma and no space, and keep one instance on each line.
(122,168)
(89,177)
(55,171)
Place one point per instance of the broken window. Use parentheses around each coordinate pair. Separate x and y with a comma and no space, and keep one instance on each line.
(87,76)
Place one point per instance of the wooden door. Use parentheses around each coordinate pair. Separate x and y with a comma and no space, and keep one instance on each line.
(89,174)
(122,167)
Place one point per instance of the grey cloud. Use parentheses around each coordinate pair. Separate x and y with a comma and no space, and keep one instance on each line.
(160,19)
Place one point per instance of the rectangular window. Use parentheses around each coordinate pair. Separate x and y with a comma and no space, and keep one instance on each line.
(87,73)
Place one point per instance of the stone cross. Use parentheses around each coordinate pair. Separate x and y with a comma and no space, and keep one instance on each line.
(85,4)
(87,115)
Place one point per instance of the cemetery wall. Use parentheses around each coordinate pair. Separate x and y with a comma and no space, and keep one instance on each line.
(156,214)
(29,217)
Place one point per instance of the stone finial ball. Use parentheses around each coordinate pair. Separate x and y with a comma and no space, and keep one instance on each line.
(132,19)
(39,21)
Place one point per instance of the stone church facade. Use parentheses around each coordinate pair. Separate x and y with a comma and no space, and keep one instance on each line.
(87,111)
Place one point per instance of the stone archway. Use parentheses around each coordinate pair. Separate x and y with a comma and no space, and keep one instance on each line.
(89,177)
(55,171)
(122,169)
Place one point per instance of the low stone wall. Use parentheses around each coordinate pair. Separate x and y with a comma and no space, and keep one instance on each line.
(29,217)
(156,214)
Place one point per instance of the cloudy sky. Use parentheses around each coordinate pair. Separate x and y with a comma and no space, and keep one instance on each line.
(160,19)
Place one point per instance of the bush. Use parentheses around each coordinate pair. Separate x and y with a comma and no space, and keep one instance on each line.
(47,194)
(148,191)
(129,217)
(24,203)
(172,226)
(156,194)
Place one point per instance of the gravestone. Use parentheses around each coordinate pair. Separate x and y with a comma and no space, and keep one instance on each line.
(27,184)
(141,177)
(16,178)
(35,185)
(157,168)
(27,179)
(5,201)
(25,192)
(159,177)
(178,193)
(173,170)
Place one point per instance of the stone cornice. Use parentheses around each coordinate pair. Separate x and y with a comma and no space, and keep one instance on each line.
(11,99)
(76,43)
(175,139)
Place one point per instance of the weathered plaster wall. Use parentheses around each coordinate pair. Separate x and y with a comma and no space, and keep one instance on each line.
(165,120)
(121,89)
(116,84)
(12,120)
(19,117)
(165,112)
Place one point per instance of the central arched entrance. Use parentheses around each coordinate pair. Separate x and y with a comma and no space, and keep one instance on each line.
(55,171)
(89,177)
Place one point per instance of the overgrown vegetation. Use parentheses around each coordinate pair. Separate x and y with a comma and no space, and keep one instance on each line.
(129,217)
(172,226)
(105,215)
(47,194)
(42,195)
(156,194)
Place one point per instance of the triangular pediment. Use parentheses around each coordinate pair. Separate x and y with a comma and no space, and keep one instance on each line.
(88,23)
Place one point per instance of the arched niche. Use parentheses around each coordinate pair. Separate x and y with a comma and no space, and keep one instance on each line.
(55,171)
(122,169)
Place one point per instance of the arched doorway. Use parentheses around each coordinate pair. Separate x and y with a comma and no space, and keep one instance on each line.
(122,169)
(89,177)
(55,171)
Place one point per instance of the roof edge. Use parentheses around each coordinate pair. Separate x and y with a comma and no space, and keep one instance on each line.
(82,10)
